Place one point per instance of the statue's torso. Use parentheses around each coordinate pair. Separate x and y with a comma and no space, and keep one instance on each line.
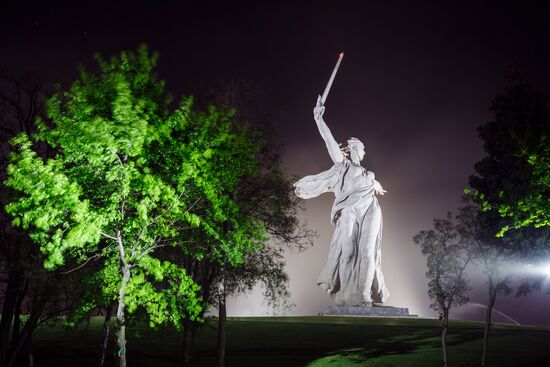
(355,187)
(354,178)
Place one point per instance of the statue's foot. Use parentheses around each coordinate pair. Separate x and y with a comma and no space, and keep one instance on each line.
(366,303)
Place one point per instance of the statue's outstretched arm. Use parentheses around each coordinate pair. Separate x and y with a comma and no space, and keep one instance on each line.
(332,146)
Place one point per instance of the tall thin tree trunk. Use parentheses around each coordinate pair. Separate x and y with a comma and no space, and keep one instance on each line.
(121,320)
(221,347)
(25,337)
(21,342)
(8,310)
(28,351)
(188,338)
(17,312)
(120,313)
(444,336)
(105,340)
(488,316)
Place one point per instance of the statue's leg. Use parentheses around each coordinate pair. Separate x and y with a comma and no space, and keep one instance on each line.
(381,290)
(346,236)
(329,279)
(368,239)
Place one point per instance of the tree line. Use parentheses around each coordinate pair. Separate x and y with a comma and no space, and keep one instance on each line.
(119,201)
(504,214)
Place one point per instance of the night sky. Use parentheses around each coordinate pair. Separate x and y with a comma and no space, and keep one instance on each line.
(415,82)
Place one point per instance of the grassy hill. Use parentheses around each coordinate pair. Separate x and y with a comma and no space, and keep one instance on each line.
(306,341)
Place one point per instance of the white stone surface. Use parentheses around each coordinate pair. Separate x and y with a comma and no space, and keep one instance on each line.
(352,274)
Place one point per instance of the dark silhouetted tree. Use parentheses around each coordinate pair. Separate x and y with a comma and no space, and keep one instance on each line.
(446,258)
(30,289)
(489,251)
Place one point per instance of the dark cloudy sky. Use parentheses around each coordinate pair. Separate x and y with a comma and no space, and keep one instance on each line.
(416,80)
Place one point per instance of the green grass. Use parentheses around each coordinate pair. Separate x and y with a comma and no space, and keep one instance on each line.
(306,341)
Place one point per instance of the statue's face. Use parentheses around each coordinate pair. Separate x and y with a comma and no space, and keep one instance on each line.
(356,153)
(361,153)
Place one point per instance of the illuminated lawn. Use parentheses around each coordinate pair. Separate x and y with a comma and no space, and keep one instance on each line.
(301,341)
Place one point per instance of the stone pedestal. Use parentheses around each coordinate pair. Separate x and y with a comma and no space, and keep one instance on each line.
(373,311)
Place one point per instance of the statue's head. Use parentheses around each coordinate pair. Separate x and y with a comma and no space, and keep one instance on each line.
(356,150)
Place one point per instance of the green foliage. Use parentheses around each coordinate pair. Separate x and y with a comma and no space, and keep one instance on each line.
(50,207)
(512,181)
(129,182)
(169,297)
(268,198)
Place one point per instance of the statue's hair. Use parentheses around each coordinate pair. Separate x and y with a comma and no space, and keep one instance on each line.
(352,143)
(355,143)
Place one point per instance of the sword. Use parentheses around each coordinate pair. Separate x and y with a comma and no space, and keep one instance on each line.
(329,84)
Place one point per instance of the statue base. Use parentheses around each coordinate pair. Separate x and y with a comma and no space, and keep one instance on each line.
(368,311)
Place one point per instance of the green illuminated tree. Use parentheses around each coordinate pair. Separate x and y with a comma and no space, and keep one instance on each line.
(129,184)
(267,197)
(513,180)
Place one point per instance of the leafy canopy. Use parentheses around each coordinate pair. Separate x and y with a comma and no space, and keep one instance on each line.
(513,179)
(128,179)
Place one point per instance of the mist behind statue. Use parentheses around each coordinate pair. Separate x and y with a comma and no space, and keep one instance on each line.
(352,274)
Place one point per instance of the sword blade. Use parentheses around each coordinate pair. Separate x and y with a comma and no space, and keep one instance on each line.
(329,84)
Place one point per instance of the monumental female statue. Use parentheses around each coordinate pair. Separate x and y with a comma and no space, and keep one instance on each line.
(352,274)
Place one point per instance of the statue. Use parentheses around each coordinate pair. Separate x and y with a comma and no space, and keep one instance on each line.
(352,274)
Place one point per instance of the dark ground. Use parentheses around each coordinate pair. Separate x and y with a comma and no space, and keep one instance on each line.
(301,341)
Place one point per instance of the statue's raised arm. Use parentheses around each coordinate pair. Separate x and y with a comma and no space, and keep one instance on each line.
(332,146)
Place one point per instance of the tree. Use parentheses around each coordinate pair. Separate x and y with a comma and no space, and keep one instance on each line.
(491,252)
(20,104)
(266,197)
(123,184)
(513,180)
(28,286)
(446,258)
(269,198)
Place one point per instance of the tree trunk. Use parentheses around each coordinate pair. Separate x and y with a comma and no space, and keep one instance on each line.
(221,347)
(25,338)
(444,336)
(8,310)
(120,315)
(105,340)
(220,351)
(488,316)
(188,339)
(21,343)
(204,267)
(17,312)
(28,351)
